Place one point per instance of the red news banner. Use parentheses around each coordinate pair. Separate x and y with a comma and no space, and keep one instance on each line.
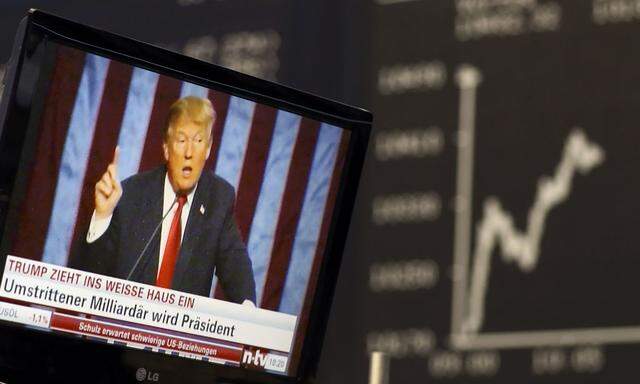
(198,326)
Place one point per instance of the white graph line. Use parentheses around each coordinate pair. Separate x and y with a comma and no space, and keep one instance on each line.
(497,229)
(468,79)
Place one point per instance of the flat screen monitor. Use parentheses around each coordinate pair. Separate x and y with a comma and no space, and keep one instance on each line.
(163,219)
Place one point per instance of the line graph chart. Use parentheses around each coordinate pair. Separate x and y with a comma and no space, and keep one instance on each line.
(497,235)
(496,228)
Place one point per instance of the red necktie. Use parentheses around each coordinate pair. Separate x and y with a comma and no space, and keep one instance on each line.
(172,248)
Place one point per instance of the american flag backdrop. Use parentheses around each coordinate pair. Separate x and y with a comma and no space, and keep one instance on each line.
(285,169)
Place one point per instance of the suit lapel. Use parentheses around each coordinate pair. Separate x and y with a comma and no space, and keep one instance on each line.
(151,204)
(192,232)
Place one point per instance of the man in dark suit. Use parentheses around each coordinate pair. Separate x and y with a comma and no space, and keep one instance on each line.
(198,236)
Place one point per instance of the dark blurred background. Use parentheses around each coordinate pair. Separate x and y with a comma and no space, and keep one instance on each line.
(501,178)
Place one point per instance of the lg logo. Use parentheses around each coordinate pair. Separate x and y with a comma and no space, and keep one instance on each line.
(144,375)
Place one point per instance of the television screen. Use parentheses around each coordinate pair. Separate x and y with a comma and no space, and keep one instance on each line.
(166,205)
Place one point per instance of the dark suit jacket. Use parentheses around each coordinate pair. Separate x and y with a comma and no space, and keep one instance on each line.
(211,242)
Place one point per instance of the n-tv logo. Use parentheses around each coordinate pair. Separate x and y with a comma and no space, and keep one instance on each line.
(264,360)
(255,357)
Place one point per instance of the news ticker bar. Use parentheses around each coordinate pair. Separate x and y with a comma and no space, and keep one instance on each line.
(88,293)
(141,338)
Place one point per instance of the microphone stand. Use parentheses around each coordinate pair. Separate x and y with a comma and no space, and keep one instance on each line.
(155,231)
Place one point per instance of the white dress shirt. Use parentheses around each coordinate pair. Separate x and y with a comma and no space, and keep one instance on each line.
(98,227)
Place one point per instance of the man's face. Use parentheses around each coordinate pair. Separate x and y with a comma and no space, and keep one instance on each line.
(186,149)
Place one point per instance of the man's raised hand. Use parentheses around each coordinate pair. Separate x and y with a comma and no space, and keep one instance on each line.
(108,190)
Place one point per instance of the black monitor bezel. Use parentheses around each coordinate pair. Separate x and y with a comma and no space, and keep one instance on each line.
(44,26)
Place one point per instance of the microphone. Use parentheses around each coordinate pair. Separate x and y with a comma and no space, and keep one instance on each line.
(155,231)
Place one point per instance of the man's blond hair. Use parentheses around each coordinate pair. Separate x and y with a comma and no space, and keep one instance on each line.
(193,109)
